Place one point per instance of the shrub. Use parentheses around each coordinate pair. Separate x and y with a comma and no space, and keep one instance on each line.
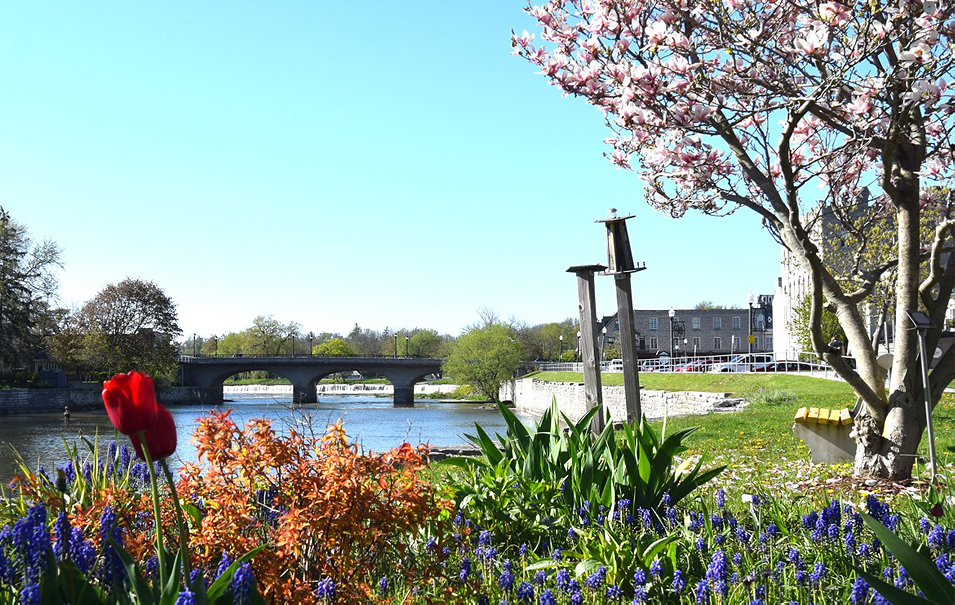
(327,514)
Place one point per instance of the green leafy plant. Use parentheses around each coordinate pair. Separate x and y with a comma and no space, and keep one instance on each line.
(589,469)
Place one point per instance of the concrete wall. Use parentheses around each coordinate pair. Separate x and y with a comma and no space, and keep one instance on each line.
(78,397)
(534,397)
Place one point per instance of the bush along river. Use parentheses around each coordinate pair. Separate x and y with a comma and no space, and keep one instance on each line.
(372,421)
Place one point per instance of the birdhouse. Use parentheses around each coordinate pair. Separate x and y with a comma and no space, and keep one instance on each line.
(619,256)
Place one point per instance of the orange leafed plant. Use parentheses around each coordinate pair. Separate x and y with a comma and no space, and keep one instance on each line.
(324,510)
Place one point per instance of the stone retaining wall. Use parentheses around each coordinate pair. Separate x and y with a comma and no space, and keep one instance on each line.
(534,397)
(78,397)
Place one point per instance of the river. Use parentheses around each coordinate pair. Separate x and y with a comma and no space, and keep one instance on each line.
(374,422)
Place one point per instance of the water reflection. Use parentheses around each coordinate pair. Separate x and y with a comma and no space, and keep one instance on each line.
(373,421)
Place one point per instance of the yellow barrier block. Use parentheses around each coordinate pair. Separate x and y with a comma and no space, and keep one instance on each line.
(801,414)
(844,417)
(823,416)
(813,415)
(834,416)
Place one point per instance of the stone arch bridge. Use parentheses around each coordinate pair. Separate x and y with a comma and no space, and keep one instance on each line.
(207,374)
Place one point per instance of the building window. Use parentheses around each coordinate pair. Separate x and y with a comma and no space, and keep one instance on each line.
(654,343)
(616,325)
(696,323)
(736,322)
(717,344)
(717,323)
(755,343)
(653,323)
(696,344)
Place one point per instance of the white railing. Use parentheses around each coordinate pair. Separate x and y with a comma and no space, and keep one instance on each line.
(806,363)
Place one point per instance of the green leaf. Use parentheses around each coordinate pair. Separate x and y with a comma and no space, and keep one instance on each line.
(891,593)
(919,566)
(221,584)
(139,586)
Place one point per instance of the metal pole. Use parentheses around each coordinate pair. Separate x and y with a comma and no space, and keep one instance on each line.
(670,348)
(560,348)
(749,340)
(928,403)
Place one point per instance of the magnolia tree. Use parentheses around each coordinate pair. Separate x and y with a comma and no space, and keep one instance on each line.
(783,108)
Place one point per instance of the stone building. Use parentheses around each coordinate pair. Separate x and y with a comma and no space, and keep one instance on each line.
(696,331)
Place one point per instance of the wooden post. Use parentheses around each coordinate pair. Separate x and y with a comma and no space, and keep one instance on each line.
(590,355)
(620,260)
(628,347)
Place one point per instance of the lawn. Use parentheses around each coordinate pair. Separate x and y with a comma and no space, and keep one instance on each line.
(761,435)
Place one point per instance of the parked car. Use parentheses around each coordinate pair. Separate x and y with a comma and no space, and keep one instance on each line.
(656,365)
(790,366)
(743,363)
(697,365)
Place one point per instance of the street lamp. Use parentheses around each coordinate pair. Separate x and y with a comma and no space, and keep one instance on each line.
(686,349)
(407,339)
(311,337)
(193,344)
(672,314)
(603,345)
(750,298)
(215,345)
(578,346)
(293,343)
(560,348)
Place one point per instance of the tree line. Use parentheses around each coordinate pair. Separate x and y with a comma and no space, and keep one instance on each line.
(135,324)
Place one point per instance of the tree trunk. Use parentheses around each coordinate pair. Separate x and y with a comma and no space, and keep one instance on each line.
(888,451)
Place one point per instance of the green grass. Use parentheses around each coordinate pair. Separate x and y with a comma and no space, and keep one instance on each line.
(762,433)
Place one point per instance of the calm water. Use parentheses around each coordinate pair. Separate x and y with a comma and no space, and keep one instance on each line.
(372,421)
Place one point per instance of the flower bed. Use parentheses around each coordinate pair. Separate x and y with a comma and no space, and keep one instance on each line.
(550,516)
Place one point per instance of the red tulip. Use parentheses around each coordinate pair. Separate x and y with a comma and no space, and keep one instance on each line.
(160,437)
(130,402)
(937,511)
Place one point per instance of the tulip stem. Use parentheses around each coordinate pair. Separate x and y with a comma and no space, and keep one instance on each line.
(183,530)
(160,549)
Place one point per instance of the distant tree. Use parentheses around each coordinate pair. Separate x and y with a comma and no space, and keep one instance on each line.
(233,343)
(365,342)
(334,347)
(707,304)
(269,336)
(129,325)
(801,328)
(27,288)
(484,358)
(427,343)
(543,341)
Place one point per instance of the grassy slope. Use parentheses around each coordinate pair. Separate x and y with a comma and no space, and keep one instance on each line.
(764,430)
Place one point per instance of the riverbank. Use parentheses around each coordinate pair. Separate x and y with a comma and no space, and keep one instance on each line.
(376,389)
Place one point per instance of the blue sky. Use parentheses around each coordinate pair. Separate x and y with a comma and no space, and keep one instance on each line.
(384,164)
